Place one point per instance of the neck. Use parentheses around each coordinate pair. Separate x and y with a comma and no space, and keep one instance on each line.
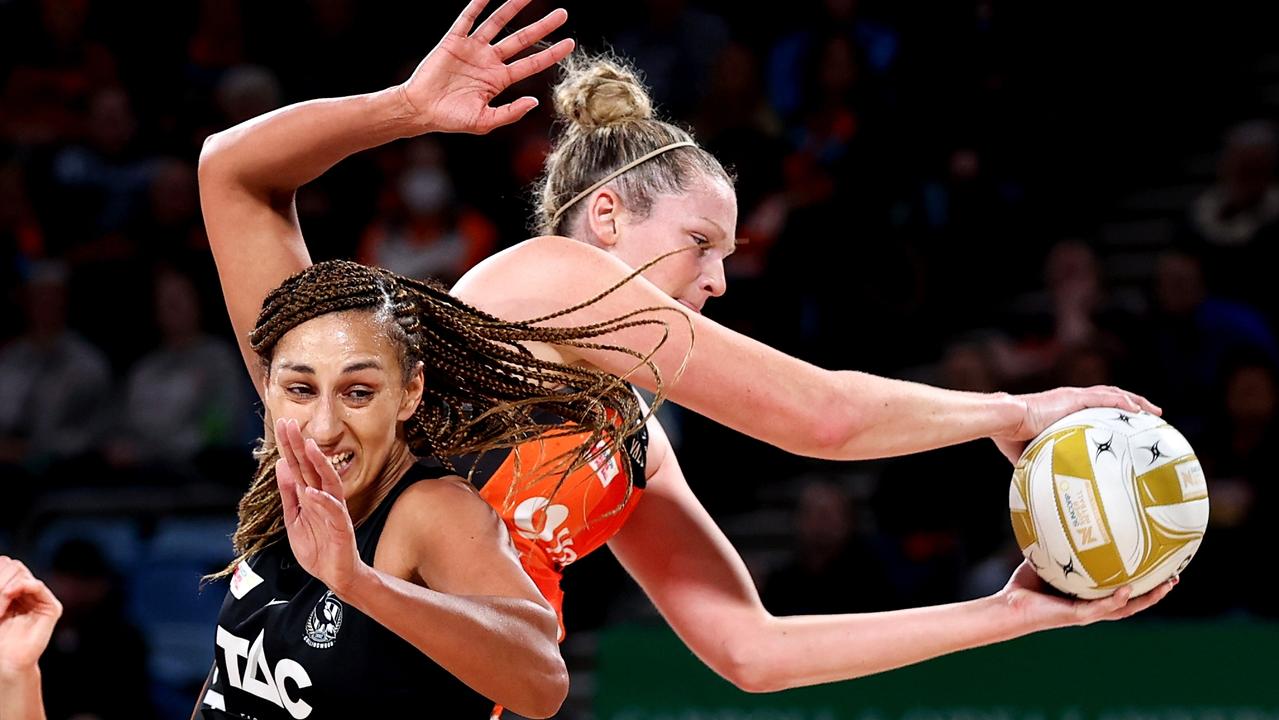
(397,463)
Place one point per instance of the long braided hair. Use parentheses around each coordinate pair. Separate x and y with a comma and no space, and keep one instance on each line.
(482,387)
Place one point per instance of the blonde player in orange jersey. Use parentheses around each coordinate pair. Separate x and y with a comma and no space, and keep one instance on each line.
(651,191)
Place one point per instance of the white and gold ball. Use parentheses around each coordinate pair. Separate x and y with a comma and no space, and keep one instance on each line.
(1104,498)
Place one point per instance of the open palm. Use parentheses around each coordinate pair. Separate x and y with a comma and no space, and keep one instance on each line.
(315,515)
(452,87)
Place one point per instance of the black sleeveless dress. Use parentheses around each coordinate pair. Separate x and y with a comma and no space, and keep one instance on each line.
(287,648)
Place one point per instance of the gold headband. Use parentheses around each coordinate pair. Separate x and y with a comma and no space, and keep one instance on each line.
(613,175)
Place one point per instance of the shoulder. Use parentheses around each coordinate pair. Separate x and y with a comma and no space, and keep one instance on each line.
(525,262)
(447,506)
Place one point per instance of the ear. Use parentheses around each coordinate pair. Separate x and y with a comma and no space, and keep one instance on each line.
(602,216)
(412,394)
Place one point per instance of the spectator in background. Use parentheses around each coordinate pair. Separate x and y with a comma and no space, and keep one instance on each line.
(1074,321)
(246,91)
(96,664)
(835,567)
(1235,224)
(675,46)
(917,495)
(104,180)
(1190,336)
(54,385)
(1246,197)
(1235,449)
(786,69)
(21,243)
(54,70)
(185,396)
(422,231)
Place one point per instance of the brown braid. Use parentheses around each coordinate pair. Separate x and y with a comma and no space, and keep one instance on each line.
(482,386)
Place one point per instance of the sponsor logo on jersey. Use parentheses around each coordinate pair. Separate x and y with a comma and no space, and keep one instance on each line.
(548,531)
(256,677)
(325,622)
(243,580)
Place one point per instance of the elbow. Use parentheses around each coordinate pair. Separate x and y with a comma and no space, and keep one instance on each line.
(543,676)
(544,690)
(831,423)
(211,154)
(745,664)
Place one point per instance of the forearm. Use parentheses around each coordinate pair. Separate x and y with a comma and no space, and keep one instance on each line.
(20,695)
(502,647)
(807,650)
(280,151)
(881,417)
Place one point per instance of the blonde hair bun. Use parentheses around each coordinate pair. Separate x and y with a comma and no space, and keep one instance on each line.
(601,92)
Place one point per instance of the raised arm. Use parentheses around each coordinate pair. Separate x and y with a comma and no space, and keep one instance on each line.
(749,386)
(674,550)
(249,173)
(28,612)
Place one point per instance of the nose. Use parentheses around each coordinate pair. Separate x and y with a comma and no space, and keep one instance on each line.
(714,283)
(324,426)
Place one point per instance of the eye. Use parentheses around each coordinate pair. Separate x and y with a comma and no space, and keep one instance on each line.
(298,390)
(360,394)
(702,243)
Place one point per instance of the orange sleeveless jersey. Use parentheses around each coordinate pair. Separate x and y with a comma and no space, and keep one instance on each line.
(552,527)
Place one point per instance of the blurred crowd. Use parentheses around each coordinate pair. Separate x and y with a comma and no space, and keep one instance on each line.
(924,192)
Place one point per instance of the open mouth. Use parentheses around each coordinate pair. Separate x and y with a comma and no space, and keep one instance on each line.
(341,461)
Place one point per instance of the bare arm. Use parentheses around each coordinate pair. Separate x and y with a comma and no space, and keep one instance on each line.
(701,586)
(479,616)
(28,613)
(749,386)
(249,173)
(476,613)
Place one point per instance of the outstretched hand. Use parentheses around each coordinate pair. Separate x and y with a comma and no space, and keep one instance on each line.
(315,513)
(28,612)
(1028,594)
(1045,408)
(452,87)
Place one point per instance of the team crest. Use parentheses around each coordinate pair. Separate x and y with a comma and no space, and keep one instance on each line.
(325,621)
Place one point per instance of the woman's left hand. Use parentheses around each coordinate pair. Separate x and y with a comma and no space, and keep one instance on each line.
(315,513)
(1027,594)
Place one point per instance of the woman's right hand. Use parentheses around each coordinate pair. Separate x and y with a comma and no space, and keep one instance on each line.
(452,87)
(28,612)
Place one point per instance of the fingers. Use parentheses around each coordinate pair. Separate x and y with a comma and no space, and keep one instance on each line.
(9,567)
(31,589)
(1090,611)
(1138,604)
(509,113)
(464,22)
(537,62)
(519,41)
(309,473)
(288,484)
(498,20)
(329,480)
(1109,395)
(17,583)
(284,441)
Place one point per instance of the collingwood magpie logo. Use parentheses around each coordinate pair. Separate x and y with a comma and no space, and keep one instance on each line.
(325,622)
